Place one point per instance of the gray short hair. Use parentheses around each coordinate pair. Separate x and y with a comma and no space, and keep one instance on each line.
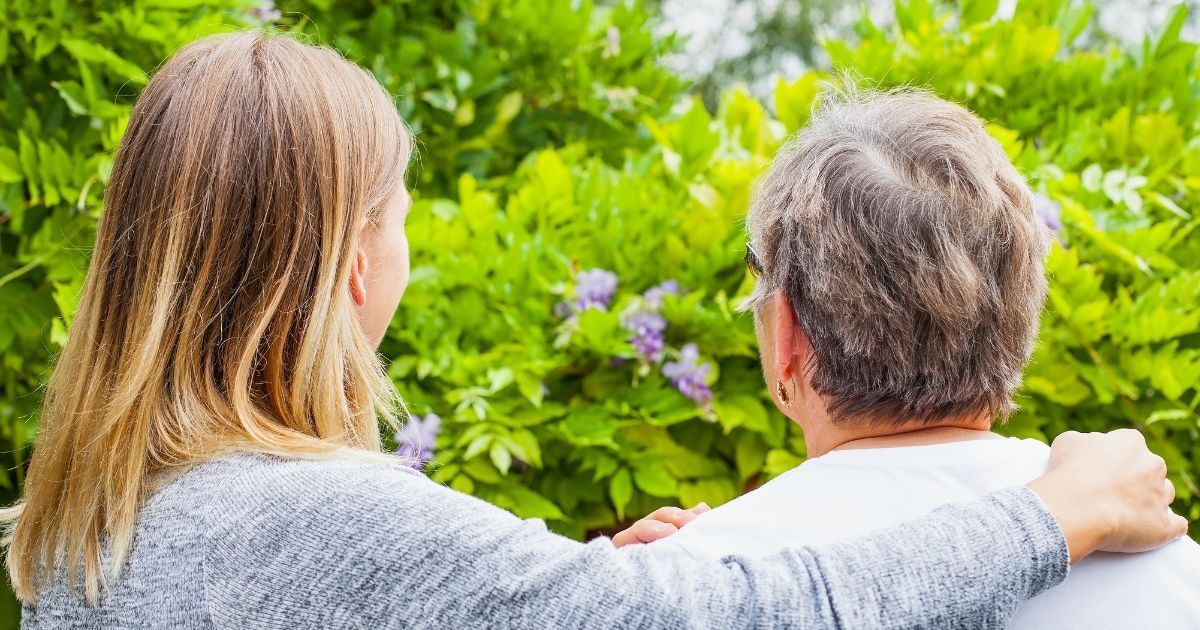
(909,248)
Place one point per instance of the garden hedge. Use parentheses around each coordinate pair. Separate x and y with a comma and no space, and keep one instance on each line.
(577,241)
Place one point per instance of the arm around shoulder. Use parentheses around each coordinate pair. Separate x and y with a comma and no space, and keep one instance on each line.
(318,544)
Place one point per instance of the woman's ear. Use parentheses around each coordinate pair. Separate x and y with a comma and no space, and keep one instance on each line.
(791,344)
(358,278)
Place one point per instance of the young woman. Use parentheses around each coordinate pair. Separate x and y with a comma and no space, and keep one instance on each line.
(210,448)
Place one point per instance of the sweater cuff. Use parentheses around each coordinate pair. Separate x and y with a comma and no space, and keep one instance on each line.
(1038,533)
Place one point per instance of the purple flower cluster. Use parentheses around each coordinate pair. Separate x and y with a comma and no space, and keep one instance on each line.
(647,327)
(654,295)
(1048,211)
(416,440)
(594,288)
(688,374)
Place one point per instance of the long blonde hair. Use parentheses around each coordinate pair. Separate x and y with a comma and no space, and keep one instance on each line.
(216,315)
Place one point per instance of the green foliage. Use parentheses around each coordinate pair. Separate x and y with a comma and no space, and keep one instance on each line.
(484,82)
(551,142)
(1109,135)
(70,72)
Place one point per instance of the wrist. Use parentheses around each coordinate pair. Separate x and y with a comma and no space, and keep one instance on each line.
(1085,521)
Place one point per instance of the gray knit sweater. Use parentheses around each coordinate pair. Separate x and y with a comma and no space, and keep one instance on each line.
(248,541)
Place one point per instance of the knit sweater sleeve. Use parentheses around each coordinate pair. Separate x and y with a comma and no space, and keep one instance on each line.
(302,544)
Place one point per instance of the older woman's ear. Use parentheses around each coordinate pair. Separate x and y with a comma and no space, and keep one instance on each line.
(791,346)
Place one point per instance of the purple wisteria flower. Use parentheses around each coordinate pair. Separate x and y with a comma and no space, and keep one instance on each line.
(687,375)
(1048,211)
(416,440)
(654,295)
(647,327)
(594,288)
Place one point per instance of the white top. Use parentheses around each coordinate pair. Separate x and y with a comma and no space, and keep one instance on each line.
(848,493)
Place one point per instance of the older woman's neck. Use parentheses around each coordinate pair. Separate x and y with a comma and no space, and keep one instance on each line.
(822,436)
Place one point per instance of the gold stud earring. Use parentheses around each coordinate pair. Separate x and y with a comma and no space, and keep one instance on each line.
(783,395)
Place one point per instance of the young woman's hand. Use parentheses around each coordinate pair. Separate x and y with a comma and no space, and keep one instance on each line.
(1109,493)
(661,523)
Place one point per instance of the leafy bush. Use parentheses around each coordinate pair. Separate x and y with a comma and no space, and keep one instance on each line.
(555,151)
(1108,139)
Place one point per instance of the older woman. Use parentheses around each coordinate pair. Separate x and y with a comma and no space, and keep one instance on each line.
(901,285)
(210,452)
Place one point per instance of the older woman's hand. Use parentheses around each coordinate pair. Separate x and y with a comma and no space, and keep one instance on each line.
(661,523)
(1109,493)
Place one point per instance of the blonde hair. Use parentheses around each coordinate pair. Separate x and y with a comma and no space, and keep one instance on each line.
(216,315)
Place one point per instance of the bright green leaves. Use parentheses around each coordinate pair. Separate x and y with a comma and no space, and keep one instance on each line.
(978,10)
(654,480)
(10,166)
(688,142)
(91,52)
(794,100)
(590,426)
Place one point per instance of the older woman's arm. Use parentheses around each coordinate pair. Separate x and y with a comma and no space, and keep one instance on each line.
(325,544)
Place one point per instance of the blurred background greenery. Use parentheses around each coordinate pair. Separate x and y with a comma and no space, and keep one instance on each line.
(581,179)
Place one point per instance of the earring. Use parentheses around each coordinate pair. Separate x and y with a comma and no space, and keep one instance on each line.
(783,395)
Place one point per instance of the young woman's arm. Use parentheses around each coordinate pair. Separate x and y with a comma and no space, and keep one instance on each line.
(325,544)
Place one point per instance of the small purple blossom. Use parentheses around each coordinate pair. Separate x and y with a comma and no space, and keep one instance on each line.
(1048,211)
(266,11)
(647,328)
(688,375)
(654,295)
(416,440)
(594,288)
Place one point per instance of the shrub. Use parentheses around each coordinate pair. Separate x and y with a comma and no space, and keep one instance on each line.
(561,418)
(556,151)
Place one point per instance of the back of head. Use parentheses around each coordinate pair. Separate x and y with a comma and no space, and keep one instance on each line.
(908,246)
(215,314)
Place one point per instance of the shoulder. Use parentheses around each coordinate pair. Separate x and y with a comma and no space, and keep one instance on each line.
(347,543)
(253,481)
(1112,590)
(251,499)
(254,473)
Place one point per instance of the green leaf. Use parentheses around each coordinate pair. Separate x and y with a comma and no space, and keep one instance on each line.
(526,503)
(500,457)
(978,10)
(97,53)
(1167,204)
(780,461)
(620,490)
(714,491)
(794,100)
(654,481)
(750,455)
(590,426)
(10,166)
